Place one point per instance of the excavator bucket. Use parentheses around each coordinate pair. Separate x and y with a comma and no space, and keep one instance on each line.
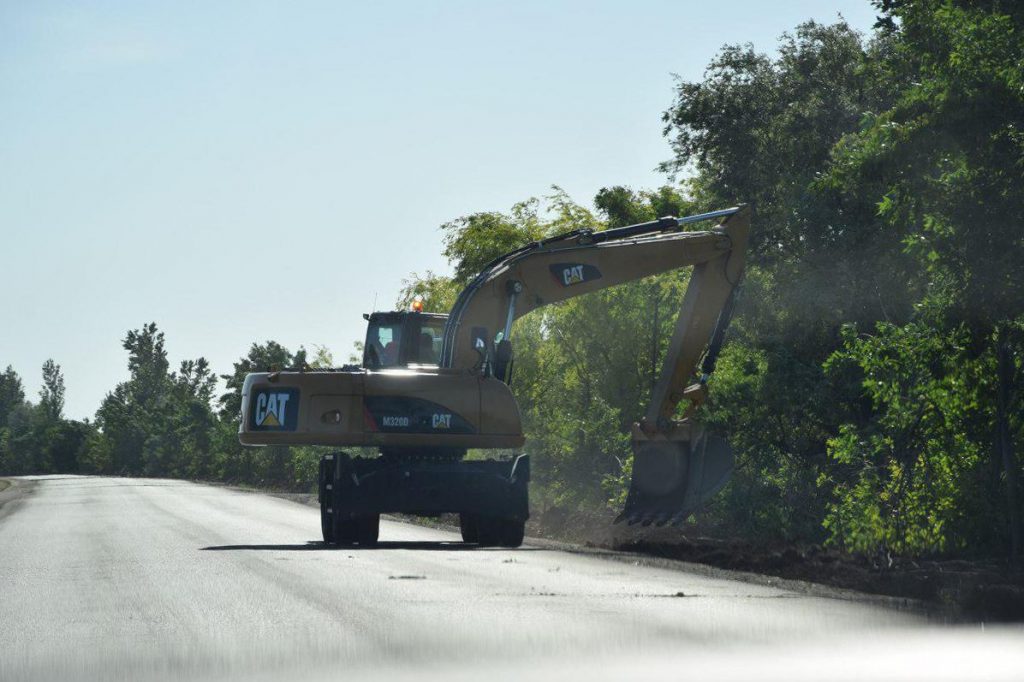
(672,479)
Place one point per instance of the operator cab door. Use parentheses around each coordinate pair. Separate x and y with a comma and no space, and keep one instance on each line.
(403,339)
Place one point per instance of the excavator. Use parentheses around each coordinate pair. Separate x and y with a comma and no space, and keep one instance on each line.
(433,386)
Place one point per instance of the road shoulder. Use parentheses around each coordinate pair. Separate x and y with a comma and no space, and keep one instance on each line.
(13,494)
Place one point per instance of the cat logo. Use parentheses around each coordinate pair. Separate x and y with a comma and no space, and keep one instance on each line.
(572,275)
(441,421)
(569,274)
(270,410)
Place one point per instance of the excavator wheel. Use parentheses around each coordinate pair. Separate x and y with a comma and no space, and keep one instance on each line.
(494,531)
(367,530)
(512,532)
(469,525)
(345,530)
(488,532)
(361,530)
(324,487)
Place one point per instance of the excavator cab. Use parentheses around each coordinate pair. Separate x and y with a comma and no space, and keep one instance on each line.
(401,339)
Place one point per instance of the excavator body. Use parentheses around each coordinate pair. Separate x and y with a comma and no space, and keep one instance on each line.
(431,387)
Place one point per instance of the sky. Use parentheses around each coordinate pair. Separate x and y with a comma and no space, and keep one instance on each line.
(245,171)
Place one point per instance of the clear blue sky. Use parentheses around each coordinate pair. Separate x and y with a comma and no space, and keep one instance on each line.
(244,171)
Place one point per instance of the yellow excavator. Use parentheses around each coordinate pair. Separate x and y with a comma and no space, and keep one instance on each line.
(432,386)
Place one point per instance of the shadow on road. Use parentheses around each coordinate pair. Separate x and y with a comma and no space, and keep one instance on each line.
(316,545)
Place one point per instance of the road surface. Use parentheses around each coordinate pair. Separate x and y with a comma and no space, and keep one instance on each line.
(107,578)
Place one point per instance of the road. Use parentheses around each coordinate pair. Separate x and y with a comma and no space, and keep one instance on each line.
(106,578)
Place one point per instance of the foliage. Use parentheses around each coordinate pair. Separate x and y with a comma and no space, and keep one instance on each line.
(762,130)
(51,396)
(37,438)
(944,165)
(260,358)
(909,478)
(437,292)
(12,394)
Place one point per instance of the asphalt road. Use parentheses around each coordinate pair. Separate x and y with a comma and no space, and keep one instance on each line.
(105,578)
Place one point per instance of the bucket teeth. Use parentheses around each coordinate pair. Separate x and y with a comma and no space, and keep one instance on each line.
(640,509)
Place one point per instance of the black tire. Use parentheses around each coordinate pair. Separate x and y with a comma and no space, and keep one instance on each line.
(470,527)
(345,530)
(326,524)
(488,531)
(325,486)
(367,530)
(512,532)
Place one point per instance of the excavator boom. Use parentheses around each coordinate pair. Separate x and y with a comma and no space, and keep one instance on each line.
(676,466)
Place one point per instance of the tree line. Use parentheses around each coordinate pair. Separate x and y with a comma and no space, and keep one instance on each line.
(159,422)
(871,380)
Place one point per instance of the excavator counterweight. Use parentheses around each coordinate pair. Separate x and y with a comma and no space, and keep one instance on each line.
(432,386)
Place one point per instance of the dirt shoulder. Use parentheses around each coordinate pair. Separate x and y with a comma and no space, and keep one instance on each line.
(13,494)
(957,589)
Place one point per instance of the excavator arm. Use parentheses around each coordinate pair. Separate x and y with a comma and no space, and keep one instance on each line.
(676,466)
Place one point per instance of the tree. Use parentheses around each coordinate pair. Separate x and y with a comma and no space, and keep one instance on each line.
(12,394)
(130,413)
(437,292)
(944,165)
(19,445)
(158,423)
(471,242)
(761,130)
(260,358)
(276,465)
(192,420)
(51,395)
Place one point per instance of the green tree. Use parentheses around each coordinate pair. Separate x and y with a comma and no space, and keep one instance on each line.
(761,130)
(129,415)
(260,358)
(275,465)
(473,241)
(12,394)
(944,166)
(20,453)
(157,423)
(192,420)
(51,395)
(437,292)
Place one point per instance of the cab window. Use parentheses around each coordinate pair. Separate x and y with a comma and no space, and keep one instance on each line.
(431,338)
(383,342)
